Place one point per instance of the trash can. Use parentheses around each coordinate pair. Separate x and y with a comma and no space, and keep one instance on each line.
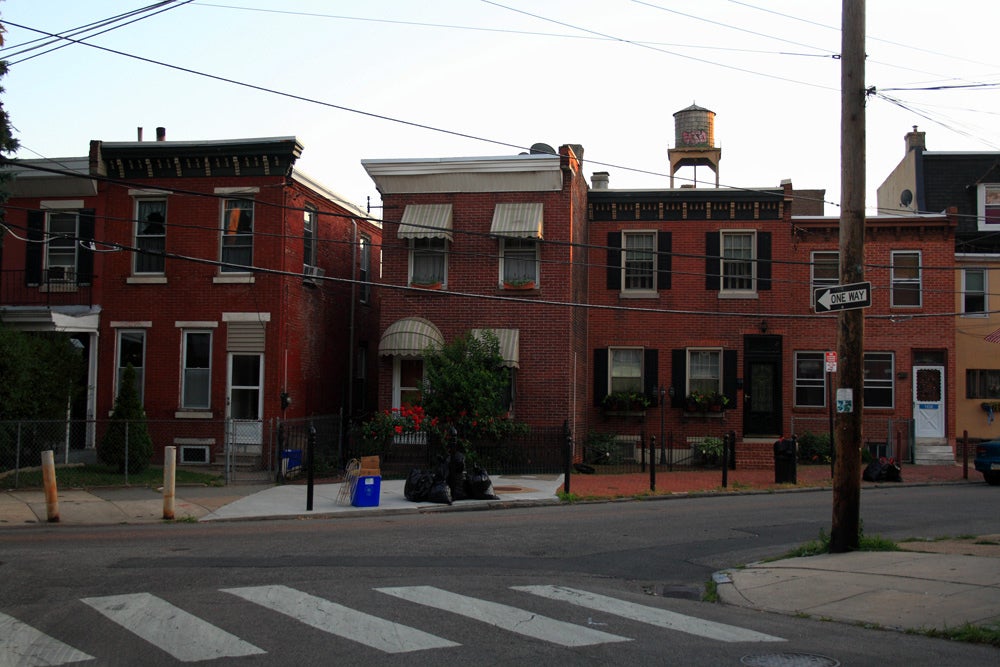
(291,459)
(785,451)
(366,491)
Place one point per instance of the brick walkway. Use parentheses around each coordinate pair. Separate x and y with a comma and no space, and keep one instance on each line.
(687,481)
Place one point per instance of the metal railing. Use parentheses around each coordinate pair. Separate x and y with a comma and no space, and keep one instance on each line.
(883,436)
(53,288)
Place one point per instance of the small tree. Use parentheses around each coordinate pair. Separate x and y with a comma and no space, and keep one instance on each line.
(127,420)
(466,387)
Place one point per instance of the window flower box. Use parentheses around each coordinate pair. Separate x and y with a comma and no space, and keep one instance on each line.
(435,285)
(519,284)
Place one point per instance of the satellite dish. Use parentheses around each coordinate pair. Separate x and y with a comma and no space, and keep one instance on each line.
(542,149)
(906,197)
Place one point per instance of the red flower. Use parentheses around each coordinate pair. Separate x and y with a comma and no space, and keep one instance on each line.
(398,429)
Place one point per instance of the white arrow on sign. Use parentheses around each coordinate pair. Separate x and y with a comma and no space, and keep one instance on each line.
(843,297)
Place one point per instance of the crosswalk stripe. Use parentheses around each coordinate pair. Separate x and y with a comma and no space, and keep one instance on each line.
(503,616)
(341,621)
(651,615)
(21,644)
(182,635)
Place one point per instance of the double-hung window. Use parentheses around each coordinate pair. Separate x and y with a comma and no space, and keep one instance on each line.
(519,257)
(428,261)
(625,369)
(738,265)
(131,351)
(878,383)
(906,288)
(237,235)
(150,235)
(810,380)
(61,249)
(639,261)
(365,268)
(825,270)
(309,218)
(197,378)
(974,292)
(704,370)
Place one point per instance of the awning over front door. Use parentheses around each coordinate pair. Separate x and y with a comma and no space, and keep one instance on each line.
(409,337)
(426,221)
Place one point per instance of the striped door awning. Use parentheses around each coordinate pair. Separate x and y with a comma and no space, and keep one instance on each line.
(518,220)
(409,337)
(426,221)
(509,343)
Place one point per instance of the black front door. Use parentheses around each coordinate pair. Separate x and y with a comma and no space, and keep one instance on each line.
(762,386)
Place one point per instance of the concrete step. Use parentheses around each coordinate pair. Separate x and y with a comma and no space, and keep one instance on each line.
(933,455)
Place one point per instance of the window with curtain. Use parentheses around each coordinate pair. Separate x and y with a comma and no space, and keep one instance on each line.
(237,234)
(60,251)
(704,370)
(738,261)
(428,261)
(625,369)
(639,256)
(519,257)
(825,270)
(810,380)
(150,235)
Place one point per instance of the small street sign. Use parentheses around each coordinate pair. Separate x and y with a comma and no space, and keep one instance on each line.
(831,362)
(843,297)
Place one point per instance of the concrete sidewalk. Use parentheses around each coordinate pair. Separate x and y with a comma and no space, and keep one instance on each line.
(200,503)
(901,590)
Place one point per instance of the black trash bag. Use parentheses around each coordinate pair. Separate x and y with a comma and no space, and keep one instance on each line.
(457,476)
(883,470)
(440,493)
(478,485)
(892,471)
(418,485)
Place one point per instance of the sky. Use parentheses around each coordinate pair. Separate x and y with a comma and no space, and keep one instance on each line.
(444,78)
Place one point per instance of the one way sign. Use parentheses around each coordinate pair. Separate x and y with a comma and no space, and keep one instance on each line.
(843,297)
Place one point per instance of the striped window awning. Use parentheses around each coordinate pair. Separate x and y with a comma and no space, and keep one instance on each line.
(509,342)
(426,221)
(993,337)
(409,337)
(520,220)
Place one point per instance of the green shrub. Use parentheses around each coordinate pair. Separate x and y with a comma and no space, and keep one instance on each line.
(127,441)
(814,447)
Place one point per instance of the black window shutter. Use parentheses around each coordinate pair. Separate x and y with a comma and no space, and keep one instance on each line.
(600,375)
(712,262)
(729,372)
(614,260)
(663,257)
(651,375)
(85,263)
(763,261)
(678,376)
(33,251)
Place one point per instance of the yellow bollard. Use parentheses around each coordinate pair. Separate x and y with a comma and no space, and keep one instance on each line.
(169,481)
(49,481)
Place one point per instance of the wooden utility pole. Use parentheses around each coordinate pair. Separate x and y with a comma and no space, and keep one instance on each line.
(845,533)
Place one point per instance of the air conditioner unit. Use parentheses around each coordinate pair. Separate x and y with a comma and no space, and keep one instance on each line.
(312,271)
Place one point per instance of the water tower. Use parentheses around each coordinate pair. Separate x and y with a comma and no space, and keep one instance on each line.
(694,141)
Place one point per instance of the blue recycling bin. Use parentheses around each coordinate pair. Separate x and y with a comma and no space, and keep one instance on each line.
(366,491)
(293,458)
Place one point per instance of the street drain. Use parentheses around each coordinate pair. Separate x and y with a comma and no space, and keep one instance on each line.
(789,660)
(679,592)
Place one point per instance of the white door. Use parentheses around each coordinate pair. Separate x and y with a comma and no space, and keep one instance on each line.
(246,378)
(928,401)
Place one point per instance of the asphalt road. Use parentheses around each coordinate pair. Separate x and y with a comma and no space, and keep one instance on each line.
(602,583)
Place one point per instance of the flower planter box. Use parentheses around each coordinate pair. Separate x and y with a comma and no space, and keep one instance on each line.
(520,285)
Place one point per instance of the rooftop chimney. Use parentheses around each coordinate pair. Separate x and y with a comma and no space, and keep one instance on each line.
(161,134)
(916,140)
(139,133)
(599,180)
